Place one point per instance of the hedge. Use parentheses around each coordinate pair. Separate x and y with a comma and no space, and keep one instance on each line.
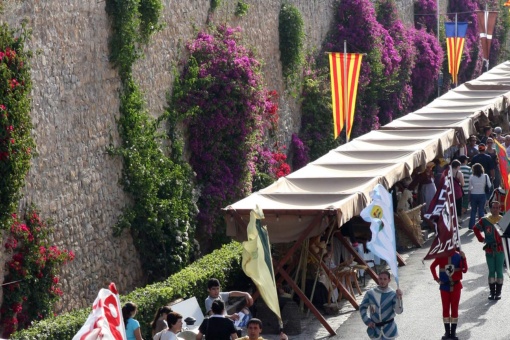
(223,264)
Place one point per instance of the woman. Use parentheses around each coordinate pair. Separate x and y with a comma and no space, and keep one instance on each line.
(458,178)
(477,197)
(174,321)
(159,323)
(133,331)
(426,187)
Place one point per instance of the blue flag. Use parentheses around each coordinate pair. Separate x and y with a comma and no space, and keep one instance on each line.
(380,214)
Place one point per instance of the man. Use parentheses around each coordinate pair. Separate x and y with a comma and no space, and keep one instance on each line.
(487,132)
(450,286)
(466,172)
(494,253)
(254,329)
(214,289)
(217,326)
(378,309)
(471,148)
(491,151)
(485,161)
(499,136)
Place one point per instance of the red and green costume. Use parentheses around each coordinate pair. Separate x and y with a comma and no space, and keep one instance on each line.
(494,253)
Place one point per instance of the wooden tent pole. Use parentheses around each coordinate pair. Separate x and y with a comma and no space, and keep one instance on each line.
(339,284)
(307,302)
(299,241)
(358,258)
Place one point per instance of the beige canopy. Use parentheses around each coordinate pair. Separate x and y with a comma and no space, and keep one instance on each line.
(339,183)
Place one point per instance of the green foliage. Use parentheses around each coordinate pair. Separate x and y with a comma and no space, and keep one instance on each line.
(162,217)
(316,127)
(241,8)
(215,4)
(292,36)
(224,264)
(32,271)
(150,12)
(16,143)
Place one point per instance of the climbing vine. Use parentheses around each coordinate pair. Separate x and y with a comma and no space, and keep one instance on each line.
(161,218)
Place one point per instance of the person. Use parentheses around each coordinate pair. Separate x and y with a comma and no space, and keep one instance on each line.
(472,147)
(494,253)
(491,151)
(458,178)
(466,172)
(499,137)
(487,132)
(217,326)
(174,321)
(426,187)
(254,329)
(378,309)
(133,331)
(451,269)
(485,160)
(159,323)
(215,293)
(477,196)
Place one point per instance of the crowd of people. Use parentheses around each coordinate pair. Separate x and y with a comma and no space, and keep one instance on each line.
(217,325)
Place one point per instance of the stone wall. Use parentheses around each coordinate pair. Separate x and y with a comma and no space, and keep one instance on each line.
(75,105)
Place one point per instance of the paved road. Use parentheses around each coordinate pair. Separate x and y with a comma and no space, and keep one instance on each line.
(479,318)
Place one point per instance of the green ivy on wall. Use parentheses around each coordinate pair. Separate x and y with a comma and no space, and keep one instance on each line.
(16,143)
(292,36)
(161,219)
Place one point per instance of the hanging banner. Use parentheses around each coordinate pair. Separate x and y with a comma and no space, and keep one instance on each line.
(486,23)
(344,70)
(442,212)
(455,37)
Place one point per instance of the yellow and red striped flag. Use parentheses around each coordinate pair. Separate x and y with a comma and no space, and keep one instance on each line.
(344,71)
(455,37)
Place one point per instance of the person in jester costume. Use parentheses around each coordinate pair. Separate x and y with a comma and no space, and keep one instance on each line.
(451,269)
(494,252)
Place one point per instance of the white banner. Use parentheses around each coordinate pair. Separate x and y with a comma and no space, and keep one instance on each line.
(105,322)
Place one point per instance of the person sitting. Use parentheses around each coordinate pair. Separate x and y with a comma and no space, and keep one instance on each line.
(215,293)
(217,326)
(255,328)
(174,321)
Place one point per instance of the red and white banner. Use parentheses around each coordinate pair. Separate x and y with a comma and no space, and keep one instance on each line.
(105,322)
(443,213)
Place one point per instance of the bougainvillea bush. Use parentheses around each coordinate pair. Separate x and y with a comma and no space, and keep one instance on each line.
(425,15)
(32,283)
(221,93)
(16,144)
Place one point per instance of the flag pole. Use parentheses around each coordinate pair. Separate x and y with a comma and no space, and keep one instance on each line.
(455,51)
(486,15)
(347,118)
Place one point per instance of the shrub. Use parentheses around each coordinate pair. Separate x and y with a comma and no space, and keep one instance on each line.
(16,143)
(241,8)
(224,264)
(32,273)
(220,91)
(292,36)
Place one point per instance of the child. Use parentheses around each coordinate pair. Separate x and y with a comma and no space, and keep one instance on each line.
(213,287)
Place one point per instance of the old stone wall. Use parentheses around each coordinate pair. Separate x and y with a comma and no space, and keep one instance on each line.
(75,105)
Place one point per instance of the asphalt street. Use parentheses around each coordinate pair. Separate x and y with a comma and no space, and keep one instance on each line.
(479,318)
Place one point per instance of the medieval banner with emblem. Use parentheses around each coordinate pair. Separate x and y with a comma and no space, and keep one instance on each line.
(380,214)
(443,214)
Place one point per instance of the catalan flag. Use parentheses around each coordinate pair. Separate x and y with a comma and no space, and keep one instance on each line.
(455,37)
(257,261)
(344,70)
